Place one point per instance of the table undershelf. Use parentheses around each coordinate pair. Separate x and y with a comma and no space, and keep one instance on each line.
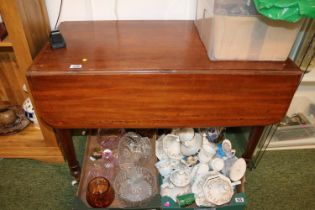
(80,202)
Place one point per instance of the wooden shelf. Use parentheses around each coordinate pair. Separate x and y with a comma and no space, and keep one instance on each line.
(23,138)
(27,34)
(28,143)
(6,42)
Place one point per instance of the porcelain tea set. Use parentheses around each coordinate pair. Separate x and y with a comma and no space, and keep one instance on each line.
(191,162)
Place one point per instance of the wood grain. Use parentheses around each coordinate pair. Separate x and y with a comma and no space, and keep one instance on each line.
(6,42)
(162,100)
(28,28)
(11,80)
(153,74)
(136,46)
(65,139)
(13,20)
(29,143)
(36,29)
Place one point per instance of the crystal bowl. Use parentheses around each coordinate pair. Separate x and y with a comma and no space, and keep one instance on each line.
(135,187)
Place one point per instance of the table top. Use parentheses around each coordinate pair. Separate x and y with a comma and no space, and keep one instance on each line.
(153,74)
(137,46)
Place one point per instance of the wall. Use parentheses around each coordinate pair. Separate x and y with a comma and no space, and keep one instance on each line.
(126,9)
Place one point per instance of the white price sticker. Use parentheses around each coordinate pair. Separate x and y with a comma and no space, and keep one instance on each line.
(239,200)
(75,66)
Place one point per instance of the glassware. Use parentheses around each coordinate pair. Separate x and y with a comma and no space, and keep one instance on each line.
(100,193)
(109,138)
(108,161)
(96,171)
(133,150)
(105,166)
(135,186)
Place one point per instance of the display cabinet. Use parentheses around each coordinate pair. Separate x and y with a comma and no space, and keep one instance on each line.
(28,30)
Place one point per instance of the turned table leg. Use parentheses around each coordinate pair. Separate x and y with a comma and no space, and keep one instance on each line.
(66,143)
(253,140)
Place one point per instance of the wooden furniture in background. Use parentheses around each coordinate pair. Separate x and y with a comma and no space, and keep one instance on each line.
(152,74)
(28,30)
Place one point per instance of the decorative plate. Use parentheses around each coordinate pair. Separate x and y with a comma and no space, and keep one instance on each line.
(218,190)
(238,169)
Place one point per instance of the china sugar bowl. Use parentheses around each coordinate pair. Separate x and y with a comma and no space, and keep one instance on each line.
(191,147)
(180,177)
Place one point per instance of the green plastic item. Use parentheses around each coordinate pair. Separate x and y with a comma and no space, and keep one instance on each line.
(186,200)
(288,10)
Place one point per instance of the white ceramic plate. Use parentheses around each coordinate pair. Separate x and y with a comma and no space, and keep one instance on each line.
(218,190)
(238,170)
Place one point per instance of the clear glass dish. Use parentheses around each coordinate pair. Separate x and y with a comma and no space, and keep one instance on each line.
(133,150)
(135,186)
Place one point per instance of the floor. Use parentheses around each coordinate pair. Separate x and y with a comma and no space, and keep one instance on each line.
(283,180)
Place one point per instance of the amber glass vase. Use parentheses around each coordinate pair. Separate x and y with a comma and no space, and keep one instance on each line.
(100,193)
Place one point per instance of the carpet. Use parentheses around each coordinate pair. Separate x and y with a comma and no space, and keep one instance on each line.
(282,180)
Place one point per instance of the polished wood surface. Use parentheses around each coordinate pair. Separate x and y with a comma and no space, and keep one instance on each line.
(28,29)
(13,19)
(6,42)
(36,29)
(162,100)
(66,143)
(30,144)
(137,46)
(153,74)
(11,80)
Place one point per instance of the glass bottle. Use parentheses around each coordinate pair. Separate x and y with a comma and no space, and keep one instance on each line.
(108,161)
